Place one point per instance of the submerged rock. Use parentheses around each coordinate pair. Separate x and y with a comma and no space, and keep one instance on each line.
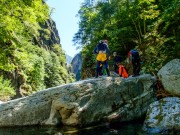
(82,103)
(163,115)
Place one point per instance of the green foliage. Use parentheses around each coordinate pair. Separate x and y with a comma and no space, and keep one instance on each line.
(148,25)
(52,69)
(164,37)
(36,73)
(6,90)
(21,25)
(60,53)
(19,21)
(43,68)
(31,62)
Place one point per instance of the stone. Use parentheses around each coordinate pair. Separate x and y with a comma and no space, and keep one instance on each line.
(82,103)
(170,77)
(163,115)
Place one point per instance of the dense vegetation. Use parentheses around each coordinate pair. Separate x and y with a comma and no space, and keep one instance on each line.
(151,26)
(26,63)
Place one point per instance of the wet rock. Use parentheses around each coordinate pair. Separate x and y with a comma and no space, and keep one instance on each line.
(163,115)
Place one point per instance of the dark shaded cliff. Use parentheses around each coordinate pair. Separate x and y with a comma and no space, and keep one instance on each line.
(77,65)
(49,35)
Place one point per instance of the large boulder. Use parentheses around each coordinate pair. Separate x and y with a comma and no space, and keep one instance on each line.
(163,115)
(82,103)
(170,76)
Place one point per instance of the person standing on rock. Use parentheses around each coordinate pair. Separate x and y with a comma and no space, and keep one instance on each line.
(117,60)
(134,59)
(103,54)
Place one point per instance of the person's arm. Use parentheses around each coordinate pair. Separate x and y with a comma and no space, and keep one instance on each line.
(130,58)
(108,51)
(95,50)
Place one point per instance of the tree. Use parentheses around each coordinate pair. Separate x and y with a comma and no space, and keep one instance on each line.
(146,25)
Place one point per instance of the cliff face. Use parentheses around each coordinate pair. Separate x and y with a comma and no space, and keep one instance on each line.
(68,59)
(77,65)
(48,34)
(31,56)
(50,66)
(48,38)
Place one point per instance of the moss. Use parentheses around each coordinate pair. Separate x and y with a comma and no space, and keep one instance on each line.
(176,118)
(148,113)
(162,101)
(159,118)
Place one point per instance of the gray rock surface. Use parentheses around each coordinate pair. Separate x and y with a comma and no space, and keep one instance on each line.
(170,76)
(68,59)
(82,103)
(163,115)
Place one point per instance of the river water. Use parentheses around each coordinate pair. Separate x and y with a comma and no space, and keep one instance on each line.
(131,128)
(127,128)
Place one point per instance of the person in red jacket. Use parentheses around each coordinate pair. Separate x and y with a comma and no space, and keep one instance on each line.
(123,71)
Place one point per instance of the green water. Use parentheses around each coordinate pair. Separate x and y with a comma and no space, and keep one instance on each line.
(131,128)
(104,129)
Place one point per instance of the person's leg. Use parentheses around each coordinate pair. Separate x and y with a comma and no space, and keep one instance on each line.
(120,70)
(134,68)
(105,64)
(138,68)
(116,69)
(101,69)
(98,69)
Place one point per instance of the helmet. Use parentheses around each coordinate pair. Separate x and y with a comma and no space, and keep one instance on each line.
(100,41)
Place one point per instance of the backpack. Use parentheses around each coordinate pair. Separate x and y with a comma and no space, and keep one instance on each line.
(135,55)
(117,59)
(101,47)
(123,71)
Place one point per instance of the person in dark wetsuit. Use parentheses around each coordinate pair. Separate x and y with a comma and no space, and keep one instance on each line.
(134,58)
(103,54)
(117,60)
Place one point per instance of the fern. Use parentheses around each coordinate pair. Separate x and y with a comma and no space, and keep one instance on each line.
(6,90)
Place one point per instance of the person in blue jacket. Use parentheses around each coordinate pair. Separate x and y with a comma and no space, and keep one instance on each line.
(103,54)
